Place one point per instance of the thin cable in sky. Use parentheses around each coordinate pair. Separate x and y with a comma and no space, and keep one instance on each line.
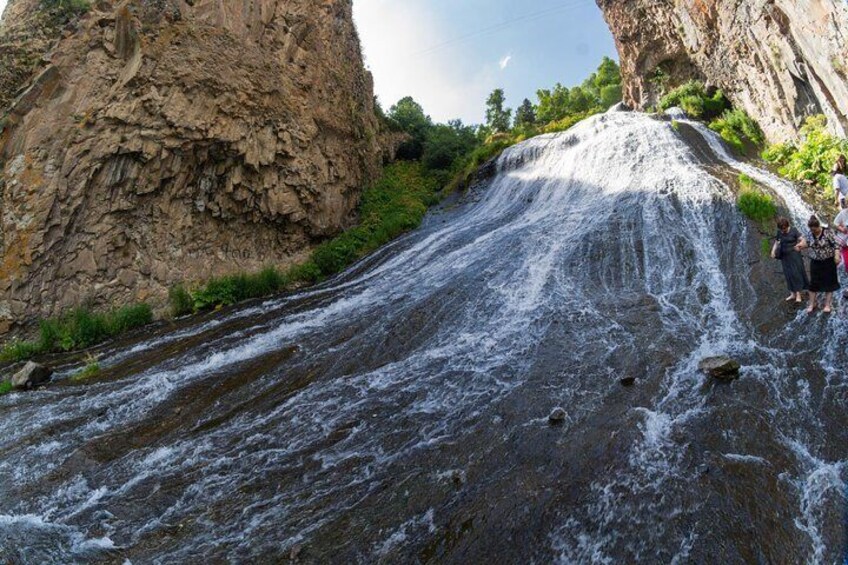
(503,25)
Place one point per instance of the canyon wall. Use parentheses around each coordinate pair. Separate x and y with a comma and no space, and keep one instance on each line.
(150,142)
(780,60)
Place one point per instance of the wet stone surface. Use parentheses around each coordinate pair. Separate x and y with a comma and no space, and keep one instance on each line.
(398,413)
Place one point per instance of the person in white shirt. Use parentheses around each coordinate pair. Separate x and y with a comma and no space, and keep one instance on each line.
(840,187)
(840,226)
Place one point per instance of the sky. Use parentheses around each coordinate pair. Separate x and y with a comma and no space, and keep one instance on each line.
(450,54)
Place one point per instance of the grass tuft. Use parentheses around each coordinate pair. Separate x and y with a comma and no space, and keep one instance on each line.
(754,203)
(5,387)
(78,329)
(91,370)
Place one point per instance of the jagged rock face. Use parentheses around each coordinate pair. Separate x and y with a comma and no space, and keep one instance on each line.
(161,141)
(780,60)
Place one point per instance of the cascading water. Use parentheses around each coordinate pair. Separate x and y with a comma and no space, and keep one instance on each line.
(399,413)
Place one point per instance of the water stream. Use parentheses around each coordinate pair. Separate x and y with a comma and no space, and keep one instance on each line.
(399,412)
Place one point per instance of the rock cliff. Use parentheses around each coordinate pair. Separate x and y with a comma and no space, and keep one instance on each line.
(148,142)
(780,60)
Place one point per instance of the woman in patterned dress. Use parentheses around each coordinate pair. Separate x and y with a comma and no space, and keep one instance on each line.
(824,257)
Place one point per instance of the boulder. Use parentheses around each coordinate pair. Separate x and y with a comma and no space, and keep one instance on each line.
(722,368)
(557,416)
(31,376)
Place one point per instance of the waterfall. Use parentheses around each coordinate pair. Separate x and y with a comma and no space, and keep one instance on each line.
(399,412)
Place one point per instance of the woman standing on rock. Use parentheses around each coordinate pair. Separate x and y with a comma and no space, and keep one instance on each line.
(824,257)
(786,240)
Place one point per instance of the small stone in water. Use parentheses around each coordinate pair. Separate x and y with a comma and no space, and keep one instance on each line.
(32,375)
(627,381)
(722,368)
(557,416)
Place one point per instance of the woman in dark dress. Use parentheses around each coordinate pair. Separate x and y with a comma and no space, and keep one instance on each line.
(793,263)
(824,257)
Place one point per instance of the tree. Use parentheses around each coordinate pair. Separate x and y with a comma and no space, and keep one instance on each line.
(553,104)
(447,143)
(525,115)
(410,118)
(497,118)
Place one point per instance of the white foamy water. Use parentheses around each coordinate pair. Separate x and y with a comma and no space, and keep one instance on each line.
(415,396)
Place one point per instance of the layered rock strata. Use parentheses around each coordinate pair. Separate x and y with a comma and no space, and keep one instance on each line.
(150,142)
(780,60)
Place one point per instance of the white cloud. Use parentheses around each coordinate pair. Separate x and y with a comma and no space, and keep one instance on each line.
(505,62)
(398,40)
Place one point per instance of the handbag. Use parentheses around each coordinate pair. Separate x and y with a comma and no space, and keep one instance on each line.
(777,251)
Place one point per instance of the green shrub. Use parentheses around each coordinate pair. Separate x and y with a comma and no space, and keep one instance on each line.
(78,329)
(18,350)
(5,387)
(813,159)
(694,98)
(754,203)
(738,129)
(82,328)
(180,301)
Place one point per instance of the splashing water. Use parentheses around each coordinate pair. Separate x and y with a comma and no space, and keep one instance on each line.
(399,413)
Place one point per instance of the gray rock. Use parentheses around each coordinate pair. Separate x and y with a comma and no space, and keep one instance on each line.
(557,416)
(722,368)
(620,107)
(32,375)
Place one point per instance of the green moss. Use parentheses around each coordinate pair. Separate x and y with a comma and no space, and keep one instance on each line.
(5,387)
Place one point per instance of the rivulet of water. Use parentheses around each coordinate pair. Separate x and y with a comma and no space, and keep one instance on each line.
(399,412)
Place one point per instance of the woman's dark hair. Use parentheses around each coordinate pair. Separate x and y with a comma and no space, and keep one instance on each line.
(814,222)
(782,223)
(840,166)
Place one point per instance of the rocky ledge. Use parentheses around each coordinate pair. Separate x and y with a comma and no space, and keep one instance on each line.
(149,142)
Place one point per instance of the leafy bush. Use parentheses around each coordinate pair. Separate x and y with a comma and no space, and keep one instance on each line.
(738,129)
(754,203)
(445,145)
(180,301)
(224,291)
(813,159)
(693,97)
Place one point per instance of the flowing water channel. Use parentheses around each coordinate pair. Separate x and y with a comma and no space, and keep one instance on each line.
(399,412)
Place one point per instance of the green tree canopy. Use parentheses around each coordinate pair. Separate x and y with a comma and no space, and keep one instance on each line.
(410,118)
(525,115)
(497,117)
